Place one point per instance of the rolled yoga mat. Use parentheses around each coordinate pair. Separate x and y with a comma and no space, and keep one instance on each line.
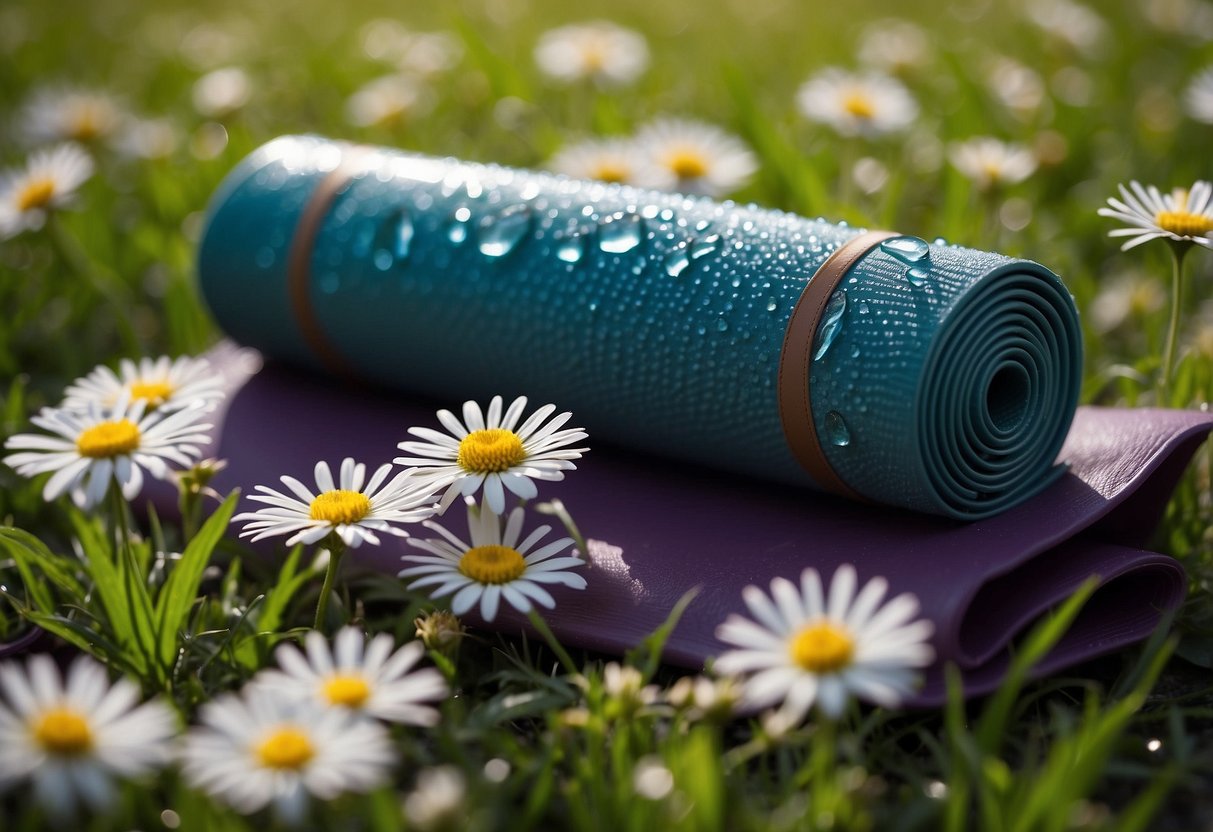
(656,531)
(931,377)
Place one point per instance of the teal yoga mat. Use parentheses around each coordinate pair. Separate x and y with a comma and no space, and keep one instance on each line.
(932,377)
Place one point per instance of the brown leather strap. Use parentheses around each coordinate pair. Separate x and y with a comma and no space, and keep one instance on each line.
(795,402)
(299,264)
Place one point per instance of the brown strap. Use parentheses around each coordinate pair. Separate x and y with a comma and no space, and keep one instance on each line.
(795,403)
(299,264)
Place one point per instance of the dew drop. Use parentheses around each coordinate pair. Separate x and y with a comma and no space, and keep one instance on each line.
(836,430)
(265,257)
(571,248)
(677,261)
(457,231)
(703,225)
(917,276)
(864,309)
(772,304)
(621,233)
(389,242)
(707,245)
(722,325)
(831,324)
(855,351)
(500,232)
(402,236)
(906,249)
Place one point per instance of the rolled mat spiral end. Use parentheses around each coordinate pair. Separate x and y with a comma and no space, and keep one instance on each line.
(984,397)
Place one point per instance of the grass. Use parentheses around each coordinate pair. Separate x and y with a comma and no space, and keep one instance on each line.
(1120,744)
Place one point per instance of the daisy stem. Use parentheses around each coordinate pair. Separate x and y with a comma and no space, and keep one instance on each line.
(557,509)
(1178,251)
(822,755)
(336,547)
(563,655)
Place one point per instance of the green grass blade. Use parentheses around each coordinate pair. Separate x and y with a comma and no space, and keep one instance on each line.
(35,561)
(1138,815)
(649,651)
(1074,763)
(993,723)
(181,589)
(123,596)
(273,606)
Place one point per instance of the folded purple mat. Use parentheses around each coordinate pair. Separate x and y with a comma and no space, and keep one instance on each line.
(656,529)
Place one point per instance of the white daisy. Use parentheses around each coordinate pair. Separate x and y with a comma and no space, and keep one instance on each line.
(807,647)
(343,507)
(692,157)
(428,53)
(163,384)
(148,138)
(72,738)
(704,697)
(868,104)
(260,748)
(387,100)
(626,686)
(607,160)
(492,450)
(92,449)
(373,681)
(48,182)
(1184,215)
(1125,299)
(1198,97)
(71,114)
(493,566)
(1018,87)
(1069,22)
(1191,19)
(990,163)
(599,50)
(222,92)
(439,801)
(894,46)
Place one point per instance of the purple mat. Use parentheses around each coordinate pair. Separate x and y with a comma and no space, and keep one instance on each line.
(657,528)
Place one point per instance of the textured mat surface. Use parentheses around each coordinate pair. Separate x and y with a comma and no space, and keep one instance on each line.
(940,379)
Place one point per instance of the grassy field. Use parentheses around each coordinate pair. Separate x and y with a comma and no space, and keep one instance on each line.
(1091,96)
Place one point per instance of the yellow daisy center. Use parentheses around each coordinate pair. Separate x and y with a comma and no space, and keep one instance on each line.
(108,439)
(350,691)
(610,172)
(492,564)
(490,451)
(286,748)
(822,647)
(86,124)
(63,731)
(36,194)
(155,393)
(594,55)
(340,506)
(1184,223)
(859,104)
(687,164)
